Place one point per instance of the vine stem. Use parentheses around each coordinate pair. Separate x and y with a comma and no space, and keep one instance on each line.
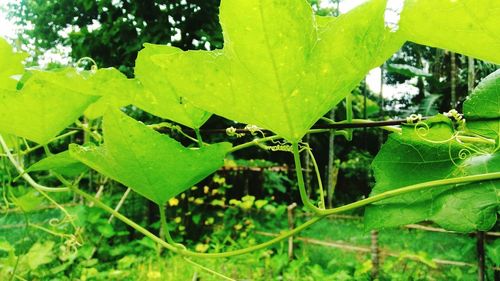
(318,176)
(31,149)
(257,141)
(164,225)
(381,196)
(25,175)
(198,137)
(189,253)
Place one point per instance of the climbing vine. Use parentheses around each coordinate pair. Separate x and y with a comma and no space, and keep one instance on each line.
(281,69)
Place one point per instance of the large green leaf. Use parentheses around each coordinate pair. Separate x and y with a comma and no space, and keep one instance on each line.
(10,65)
(152,164)
(281,67)
(61,163)
(469,27)
(160,96)
(420,155)
(41,109)
(484,104)
(112,86)
(115,89)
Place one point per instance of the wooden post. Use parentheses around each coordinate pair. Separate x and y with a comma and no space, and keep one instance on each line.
(329,169)
(453,80)
(471,74)
(375,254)
(291,225)
(480,255)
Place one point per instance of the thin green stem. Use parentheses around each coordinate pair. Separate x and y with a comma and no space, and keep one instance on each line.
(410,188)
(164,226)
(254,142)
(300,179)
(25,175)
(469,139)
(31,149)
(321,214)
(318,176)
(209,270)
(348,109)
(184,252)
(198,136)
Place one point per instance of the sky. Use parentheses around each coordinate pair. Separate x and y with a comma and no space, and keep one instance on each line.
(373,80)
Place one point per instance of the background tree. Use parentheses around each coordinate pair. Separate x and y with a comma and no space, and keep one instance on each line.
(113,31)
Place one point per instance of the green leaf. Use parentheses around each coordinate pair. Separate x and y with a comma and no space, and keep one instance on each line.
(61,163)
(469,27)
(39,254)
(281,67)
(420,155)
(152,164)
(112,86)
(28,202)
(407,70)
(161,97)
(41,109)
(10,65)
(483,104)
(115,89)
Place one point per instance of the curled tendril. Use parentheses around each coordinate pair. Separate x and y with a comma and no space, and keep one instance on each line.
(93,67)
(464,153)
(278,146)
(254,130)
(55,222)
(231,132)
(457,117)
(422,130)
(414,118)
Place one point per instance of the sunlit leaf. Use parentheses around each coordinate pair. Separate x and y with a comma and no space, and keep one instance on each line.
(281,67)
(41,109)
(469,27)
(152,164)
(160,96)
(10,65)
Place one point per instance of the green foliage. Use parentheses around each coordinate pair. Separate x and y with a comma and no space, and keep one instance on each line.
(145,165)
(288,88)
(465,26)
(430,151)
(61,163)
(112,32)
(281,68)
(484,103)
(161,98)
(10,65)
(47,110)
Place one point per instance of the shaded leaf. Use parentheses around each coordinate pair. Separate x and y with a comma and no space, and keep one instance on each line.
(417,157)
(482,104)
(28,202)
(152,164)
